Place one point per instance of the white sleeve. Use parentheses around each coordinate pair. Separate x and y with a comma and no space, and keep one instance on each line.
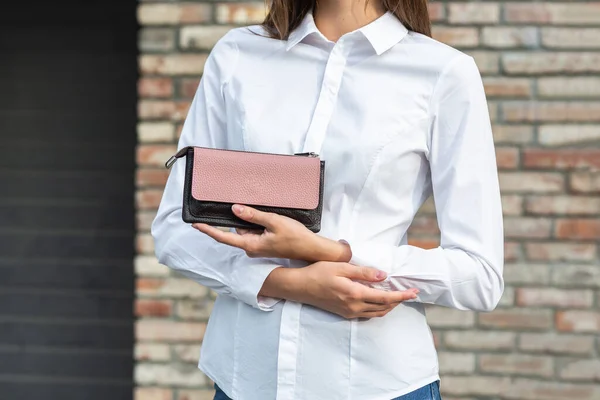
(465,271)
(225,269)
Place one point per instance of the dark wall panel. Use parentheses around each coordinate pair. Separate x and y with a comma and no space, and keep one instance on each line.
(68,73)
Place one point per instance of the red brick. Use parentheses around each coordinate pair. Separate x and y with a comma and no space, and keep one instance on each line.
(437,11)
(154,155)
(509,37)
(440,317)
(453,362)
(144,219)
(585,182)
(197,309)
(546,62)
(526,389)
(206,394)
(508,298)
(172,287)
(561,159)
(517,318)
(582,276)
(456,36)
(175,375)
(151,177)
(507,157)
(565,135)
(155,87)
(173,14)
(512,205)
(169,331)
(201,36)
(555,343)
(478,340)
(572,205)
(557,251)
(144,243)
(535,274)
(551,111)
(187,352)
(152,352)
(155,132)
(148,266)
(512,250)
(150,109)
(551,297)
(557,13)
(488,62)
(474,385)
(160,40)
(241,13)
(565,38)
(531,182)
(578,321)
(188,87)
(145,286)
(516,364)
(172,64)
(581,370)
(153,308)
(578,229)
(153,393)
(473,13)
(522,227)
(507,87)
(148,199)
(513,134)
(568,87)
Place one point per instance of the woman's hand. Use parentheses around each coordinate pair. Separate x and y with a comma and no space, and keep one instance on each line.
(282,237)
(332,287)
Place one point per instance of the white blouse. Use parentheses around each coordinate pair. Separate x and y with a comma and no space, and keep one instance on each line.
(397,116)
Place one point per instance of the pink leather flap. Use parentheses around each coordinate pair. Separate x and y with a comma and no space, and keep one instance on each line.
(256,178)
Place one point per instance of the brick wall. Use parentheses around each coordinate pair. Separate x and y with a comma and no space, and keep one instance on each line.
(541,67)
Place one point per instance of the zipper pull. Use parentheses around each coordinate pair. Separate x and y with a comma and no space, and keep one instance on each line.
(309,154)
(177,155)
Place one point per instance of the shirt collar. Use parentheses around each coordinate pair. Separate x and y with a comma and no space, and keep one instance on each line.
(382,34)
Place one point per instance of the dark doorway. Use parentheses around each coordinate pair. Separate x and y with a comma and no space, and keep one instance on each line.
(68,75)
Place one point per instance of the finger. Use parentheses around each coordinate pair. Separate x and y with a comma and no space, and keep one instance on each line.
(368,274)
(253,215)
(229,238)
(377,296)
(369,307)
(374,314)
(245,231)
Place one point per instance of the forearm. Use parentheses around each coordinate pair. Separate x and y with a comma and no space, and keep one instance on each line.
(448,277)
(320,248)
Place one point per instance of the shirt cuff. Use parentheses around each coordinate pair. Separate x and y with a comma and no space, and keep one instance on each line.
(250,281)
(376,255)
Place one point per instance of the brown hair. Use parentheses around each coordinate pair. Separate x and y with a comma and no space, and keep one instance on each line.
(286,15)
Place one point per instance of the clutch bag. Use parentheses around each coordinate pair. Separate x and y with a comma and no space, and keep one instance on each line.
(215,179)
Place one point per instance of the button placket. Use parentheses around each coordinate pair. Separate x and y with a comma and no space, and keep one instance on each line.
(332,79)
(290,315)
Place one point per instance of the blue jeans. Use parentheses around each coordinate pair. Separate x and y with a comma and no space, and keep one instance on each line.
(428,392)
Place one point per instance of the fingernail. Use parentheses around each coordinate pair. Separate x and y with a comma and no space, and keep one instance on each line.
(238,209)
(380,275)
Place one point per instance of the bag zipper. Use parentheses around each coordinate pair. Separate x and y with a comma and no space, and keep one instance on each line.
(184,150)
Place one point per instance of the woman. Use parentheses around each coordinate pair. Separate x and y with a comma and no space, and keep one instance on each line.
(397,116)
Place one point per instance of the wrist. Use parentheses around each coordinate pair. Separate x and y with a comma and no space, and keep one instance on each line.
(324,249)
